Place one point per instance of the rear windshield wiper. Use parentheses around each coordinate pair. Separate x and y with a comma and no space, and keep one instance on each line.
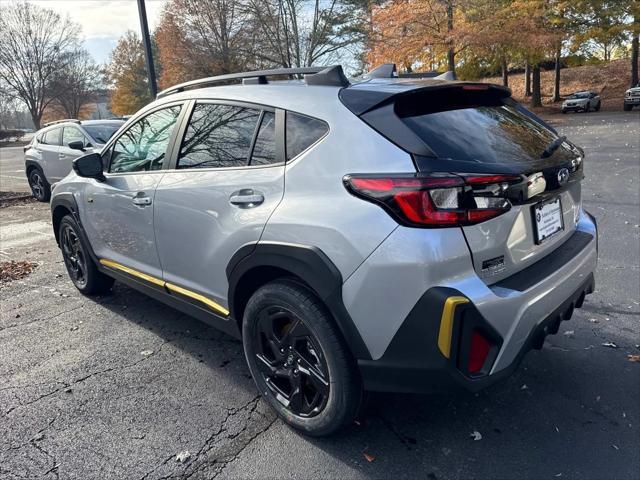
(553,146)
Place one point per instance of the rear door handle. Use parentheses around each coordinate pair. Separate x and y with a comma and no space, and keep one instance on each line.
(246,198)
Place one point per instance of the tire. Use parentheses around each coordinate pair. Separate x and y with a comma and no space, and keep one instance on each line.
(285,331)
(587,108)
(564,111)
(81,268)
(597,109)
(40,188)
(627,108)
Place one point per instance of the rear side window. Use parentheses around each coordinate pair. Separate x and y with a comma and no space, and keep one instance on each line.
(302,132)
(218,136)
(52,137)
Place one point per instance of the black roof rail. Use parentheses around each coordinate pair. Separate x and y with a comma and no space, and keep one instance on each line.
(64,120)
(332,75)
(386,70)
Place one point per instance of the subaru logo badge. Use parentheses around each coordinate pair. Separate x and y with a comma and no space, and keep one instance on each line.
(563,176)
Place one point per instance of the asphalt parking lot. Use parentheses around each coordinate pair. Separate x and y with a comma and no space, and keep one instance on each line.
(12,175)
(122,387)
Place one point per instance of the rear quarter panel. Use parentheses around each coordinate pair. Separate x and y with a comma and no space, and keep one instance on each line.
(318,211)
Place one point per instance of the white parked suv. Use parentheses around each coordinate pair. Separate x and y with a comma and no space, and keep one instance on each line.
(387,234)
(632,98)
(49,155)
(582,101)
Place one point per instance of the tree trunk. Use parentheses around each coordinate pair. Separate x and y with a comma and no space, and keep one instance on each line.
(451,54)
(556,83)
(36,119)
(634,60)
(505,71)
(527,79)
(536,95)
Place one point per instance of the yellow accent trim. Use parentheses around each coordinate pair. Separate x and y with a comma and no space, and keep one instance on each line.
(169,286)
(131,271)
(197,296)
(446,323)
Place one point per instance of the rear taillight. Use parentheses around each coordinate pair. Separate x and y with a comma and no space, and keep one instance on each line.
(436,200)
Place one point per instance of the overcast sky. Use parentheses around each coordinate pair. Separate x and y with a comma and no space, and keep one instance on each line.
(104,21)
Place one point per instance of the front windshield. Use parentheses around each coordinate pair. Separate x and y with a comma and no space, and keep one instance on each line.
(102,132)
(580,95)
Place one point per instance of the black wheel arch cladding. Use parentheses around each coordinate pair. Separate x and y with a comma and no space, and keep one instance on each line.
(309,264)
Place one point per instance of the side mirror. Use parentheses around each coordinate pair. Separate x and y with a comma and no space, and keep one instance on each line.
(76,145)
(89,166)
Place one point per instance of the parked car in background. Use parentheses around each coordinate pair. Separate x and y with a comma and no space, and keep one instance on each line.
(319,221)
(49,155)
(581,101)
(632,98)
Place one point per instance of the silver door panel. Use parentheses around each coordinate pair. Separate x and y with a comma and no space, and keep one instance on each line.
(119,221)
(201,221)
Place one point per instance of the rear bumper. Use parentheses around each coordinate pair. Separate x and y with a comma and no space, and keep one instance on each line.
(516,314)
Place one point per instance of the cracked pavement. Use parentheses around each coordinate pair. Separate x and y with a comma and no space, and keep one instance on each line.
(116,386)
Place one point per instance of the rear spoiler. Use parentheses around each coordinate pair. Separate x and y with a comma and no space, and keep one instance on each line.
(361,100)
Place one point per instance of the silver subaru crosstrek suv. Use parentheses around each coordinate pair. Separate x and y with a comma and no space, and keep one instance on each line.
(384,234)
(48,157)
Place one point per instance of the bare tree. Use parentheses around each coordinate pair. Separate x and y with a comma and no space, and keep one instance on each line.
(77,84)
(34,42)
(299,33)
(216,31)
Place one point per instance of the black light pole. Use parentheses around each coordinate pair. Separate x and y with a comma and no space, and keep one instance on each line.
(146,41)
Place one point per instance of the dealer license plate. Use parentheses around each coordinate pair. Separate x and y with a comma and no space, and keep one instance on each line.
(547,219)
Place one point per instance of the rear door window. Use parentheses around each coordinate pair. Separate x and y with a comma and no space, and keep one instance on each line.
(302,132)
(264,148)
(218,136)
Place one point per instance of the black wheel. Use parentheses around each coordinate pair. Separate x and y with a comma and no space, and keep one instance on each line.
(627,108)
(298,359)
(39,185)
(587,108)
(564,111)
(597,107)
(81,269)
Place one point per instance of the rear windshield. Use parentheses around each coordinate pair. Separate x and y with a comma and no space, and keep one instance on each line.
(101,132)
(489,135)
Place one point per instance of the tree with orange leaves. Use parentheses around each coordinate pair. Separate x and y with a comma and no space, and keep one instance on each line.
(417,33)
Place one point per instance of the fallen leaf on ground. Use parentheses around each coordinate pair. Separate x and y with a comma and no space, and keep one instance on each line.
(13,270)
(476,435)
(369,458)
(615,446)
(146,353)
(569,332)
(183,456)
(610,345)
(633,358)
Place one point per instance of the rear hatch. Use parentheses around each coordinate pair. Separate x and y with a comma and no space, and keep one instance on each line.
(465,128)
